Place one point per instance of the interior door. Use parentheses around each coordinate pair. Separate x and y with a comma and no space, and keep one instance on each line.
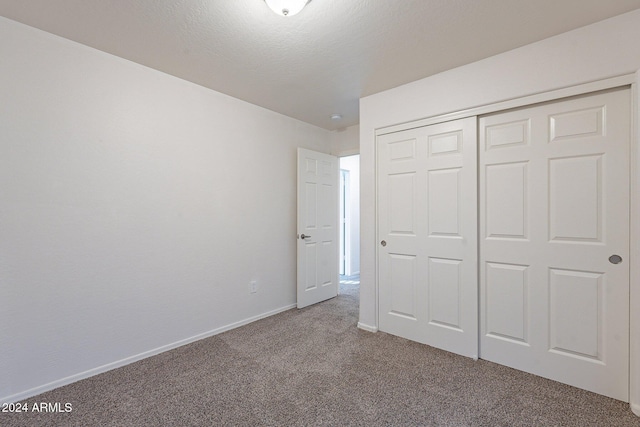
(318,233)
(554,250)
(427,232)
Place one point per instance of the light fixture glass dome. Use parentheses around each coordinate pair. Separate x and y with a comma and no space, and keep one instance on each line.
(287,7)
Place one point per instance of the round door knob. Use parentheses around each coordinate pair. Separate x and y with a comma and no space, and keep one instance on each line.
(615,259)
(383,243)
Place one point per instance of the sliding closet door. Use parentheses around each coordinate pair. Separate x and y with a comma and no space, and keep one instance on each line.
(554,240)
(427,235)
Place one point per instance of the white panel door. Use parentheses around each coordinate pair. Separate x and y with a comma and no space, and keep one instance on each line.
(318,232)
(554,206)
(427,231)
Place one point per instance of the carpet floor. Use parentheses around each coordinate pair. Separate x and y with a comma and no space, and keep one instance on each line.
(314,367)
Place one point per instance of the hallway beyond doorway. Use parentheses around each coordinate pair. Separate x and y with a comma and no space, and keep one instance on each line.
(349,215)
(349,283)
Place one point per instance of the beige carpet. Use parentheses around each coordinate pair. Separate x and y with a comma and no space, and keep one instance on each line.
(314,367)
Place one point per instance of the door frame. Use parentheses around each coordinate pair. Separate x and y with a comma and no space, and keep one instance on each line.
(349,266)
(345,224)
(630,80)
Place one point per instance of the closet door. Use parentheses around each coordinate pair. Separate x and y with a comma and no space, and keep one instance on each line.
(427,235)
(554,240)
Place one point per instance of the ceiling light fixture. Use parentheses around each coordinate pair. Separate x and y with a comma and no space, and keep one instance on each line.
(336,117)
(287,7)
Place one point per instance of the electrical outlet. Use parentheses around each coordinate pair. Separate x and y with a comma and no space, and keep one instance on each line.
(253,287)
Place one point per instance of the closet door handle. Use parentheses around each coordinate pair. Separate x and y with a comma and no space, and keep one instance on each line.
(615,259)
(383,243)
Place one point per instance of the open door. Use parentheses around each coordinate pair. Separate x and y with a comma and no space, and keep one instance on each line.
(318,236)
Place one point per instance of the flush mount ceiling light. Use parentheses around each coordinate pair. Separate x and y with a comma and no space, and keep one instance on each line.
(336,116)
(287,7)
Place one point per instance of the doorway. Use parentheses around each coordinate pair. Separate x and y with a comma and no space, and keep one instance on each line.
(349,223)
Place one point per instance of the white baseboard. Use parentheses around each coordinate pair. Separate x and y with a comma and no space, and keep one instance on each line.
(367,328)
(635,408)
(126,361)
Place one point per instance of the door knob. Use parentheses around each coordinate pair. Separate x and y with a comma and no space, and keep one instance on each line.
(615,259)
(383,243)
(303,236)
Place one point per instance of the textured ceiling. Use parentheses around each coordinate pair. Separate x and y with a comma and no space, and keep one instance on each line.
(318,62)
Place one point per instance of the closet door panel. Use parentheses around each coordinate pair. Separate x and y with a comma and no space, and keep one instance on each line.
(427,213)
(554,206)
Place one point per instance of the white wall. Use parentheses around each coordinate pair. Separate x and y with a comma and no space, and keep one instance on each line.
(352,164)
(134,210)
(346,142)
(602,50)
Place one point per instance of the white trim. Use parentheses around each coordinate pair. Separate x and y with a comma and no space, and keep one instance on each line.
(376,276)
(479,110)
(634,254)
(126,361)
(367,328)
